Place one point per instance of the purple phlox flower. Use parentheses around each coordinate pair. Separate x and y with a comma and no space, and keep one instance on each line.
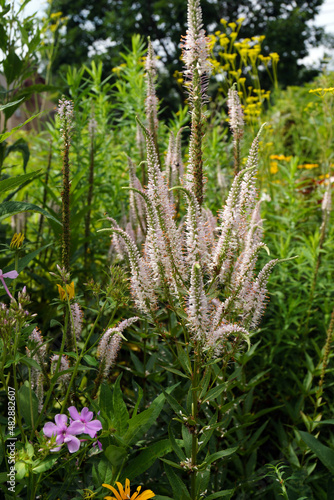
(64,434)
(11,275)
(91,427)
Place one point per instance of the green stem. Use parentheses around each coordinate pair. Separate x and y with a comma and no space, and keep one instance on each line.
(194,443)
(48,394)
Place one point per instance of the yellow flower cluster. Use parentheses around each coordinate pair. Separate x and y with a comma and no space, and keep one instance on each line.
(280,157)
(274,164)
(309,166)
(322,92)
(233,58)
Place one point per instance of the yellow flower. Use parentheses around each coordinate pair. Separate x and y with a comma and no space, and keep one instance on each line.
(69,291)
(124,494)
(17,240)
(309,166)
(274,56)
(273,167)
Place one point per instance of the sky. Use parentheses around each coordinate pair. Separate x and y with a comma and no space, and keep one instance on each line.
(324,19)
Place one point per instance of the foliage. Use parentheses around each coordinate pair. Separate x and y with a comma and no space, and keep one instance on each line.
(180,416)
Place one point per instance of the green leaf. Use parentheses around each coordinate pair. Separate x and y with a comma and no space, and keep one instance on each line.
(30,362)
(14,182)
(218,455)
(220,494)
(184,359)
(145,459)
(102,472)
(22,147)
(174,370)
(28,409)
(214,393)
(4,136)
(174,404)
(106,400)
(180,491)
(120,415)
(10,104)
(176,448)
(115,454)
(12,66)
(325,454)
(140,423)
(26,259)
(9,208)
(45,465)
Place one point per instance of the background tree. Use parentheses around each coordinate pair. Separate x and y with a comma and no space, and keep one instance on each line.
(101,30)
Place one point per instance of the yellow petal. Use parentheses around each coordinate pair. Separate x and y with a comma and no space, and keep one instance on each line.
(127,487)
(134,496)
(146,495)
(120,487)
(114,491)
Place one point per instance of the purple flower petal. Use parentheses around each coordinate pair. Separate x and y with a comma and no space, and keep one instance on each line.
(74,413)
(5,286)
(50,429)
(93,427)
(73,443)
(98,444)
(60,438)
(76,427)
(86,415)
(61,421)
(56,449)
(11,275)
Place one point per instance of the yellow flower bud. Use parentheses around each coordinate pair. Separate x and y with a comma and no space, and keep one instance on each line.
(17,240)
(67,292)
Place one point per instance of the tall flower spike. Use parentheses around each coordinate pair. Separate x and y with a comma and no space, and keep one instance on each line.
(64,365)
(195,54)
(198,304)
(65,113)
(195,45)
(77,315)
(38,354)
(151,99)
(236,123)
(110,344)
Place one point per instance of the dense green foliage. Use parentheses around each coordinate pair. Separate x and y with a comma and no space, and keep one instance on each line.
(265,411)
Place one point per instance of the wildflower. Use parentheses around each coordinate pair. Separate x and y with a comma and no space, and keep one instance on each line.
(91,427)
(64,365)
(17,240)
(39,355)
(67,292)
(110,344)
(195,52)
(308,166)
(77,315)
(124,494)
(273,167)
(11,275)
(64,434)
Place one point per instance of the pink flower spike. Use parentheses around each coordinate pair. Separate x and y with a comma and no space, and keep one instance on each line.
(11,275)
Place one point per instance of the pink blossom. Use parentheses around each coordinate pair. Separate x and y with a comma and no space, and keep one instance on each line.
(64,434)
(11,275)
(85,417)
